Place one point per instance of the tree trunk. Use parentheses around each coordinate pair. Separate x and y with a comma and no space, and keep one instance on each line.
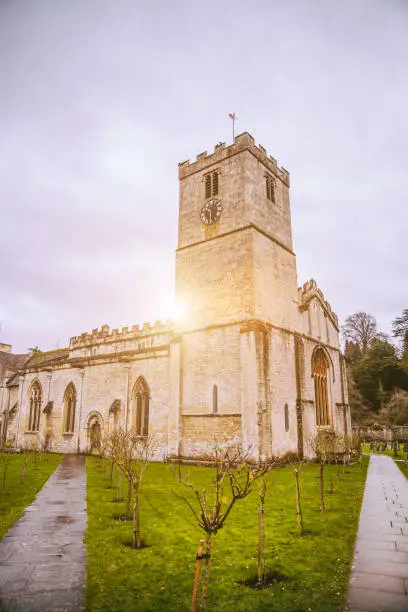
(331,490)
(322,506)
(5,472)
(129,500)
(261,546)
(119,488)
(136,522)
(199,558)
(111,474)
(299,518)
(23,468)
(206,573)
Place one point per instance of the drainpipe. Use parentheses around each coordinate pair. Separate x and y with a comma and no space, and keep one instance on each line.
(128,381)
(19,406)
(82,373)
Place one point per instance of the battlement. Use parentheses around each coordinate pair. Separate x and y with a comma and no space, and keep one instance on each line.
(106,335)
(311,290)
(241,142)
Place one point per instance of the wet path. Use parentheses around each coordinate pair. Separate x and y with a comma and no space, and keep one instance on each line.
(42,557)
(379,576)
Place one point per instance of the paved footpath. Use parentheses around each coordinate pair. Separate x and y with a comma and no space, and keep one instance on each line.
(42,557)
(379,575)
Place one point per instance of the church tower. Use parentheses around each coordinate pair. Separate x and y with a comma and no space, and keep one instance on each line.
(236,277)
(235,258)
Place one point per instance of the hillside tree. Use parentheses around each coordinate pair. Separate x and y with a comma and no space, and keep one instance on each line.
(361,329)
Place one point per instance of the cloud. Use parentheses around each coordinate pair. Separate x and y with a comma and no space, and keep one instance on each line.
(100,101)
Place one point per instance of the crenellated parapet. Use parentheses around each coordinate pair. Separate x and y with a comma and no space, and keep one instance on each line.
(309,291)
(241,142)
(104,341)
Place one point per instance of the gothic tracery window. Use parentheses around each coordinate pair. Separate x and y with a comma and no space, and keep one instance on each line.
(34,407)
(141,400)
(320,370)
(69,409)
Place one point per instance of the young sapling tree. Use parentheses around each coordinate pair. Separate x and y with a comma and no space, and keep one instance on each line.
(323,446)
(262,486)
(132,454)
(233,480)
(5,460)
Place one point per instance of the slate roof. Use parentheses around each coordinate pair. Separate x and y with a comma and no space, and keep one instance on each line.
(10,364)
(49,358)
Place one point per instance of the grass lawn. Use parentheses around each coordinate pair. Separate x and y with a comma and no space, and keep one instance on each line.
(403,466)
(400,454)
(160,577)
(16,496)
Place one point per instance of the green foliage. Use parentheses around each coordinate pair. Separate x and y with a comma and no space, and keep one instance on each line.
(376,369)
(35,350)
(400,330)
(395,411)
(352,352)
(378,373)
(18,495)
(400,325)
(316,566)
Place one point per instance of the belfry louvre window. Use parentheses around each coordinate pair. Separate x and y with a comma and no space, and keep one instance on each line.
(69,409)
(141,400)
(270,187)
(211,184)
(35,399)
(320,370)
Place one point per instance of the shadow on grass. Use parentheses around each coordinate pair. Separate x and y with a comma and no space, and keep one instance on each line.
(129,544)
(121,517)
(271,579)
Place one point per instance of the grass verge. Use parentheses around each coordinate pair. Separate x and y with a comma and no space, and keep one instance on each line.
(403,466)
(399,457)
(393,454)
(312,571)
(17,495)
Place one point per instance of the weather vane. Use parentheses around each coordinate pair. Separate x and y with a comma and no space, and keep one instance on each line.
(234,117)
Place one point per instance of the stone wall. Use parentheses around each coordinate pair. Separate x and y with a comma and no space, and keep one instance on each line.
(202,433)
(96,387)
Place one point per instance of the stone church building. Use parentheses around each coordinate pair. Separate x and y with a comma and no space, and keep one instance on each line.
(253,361)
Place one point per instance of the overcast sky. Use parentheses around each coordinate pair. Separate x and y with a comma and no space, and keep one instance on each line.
(100,100)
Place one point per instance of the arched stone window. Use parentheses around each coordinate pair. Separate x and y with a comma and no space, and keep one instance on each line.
(114,411)
(35,399)
(320,369)
(215,399)
(69,409)
(141,400)
(94,431)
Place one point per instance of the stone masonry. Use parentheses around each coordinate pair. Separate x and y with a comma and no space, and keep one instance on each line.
(236,368)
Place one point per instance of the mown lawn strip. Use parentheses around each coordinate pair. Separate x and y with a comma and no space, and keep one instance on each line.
(312,571)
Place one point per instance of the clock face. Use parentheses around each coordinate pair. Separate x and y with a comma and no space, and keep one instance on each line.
(211,212)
